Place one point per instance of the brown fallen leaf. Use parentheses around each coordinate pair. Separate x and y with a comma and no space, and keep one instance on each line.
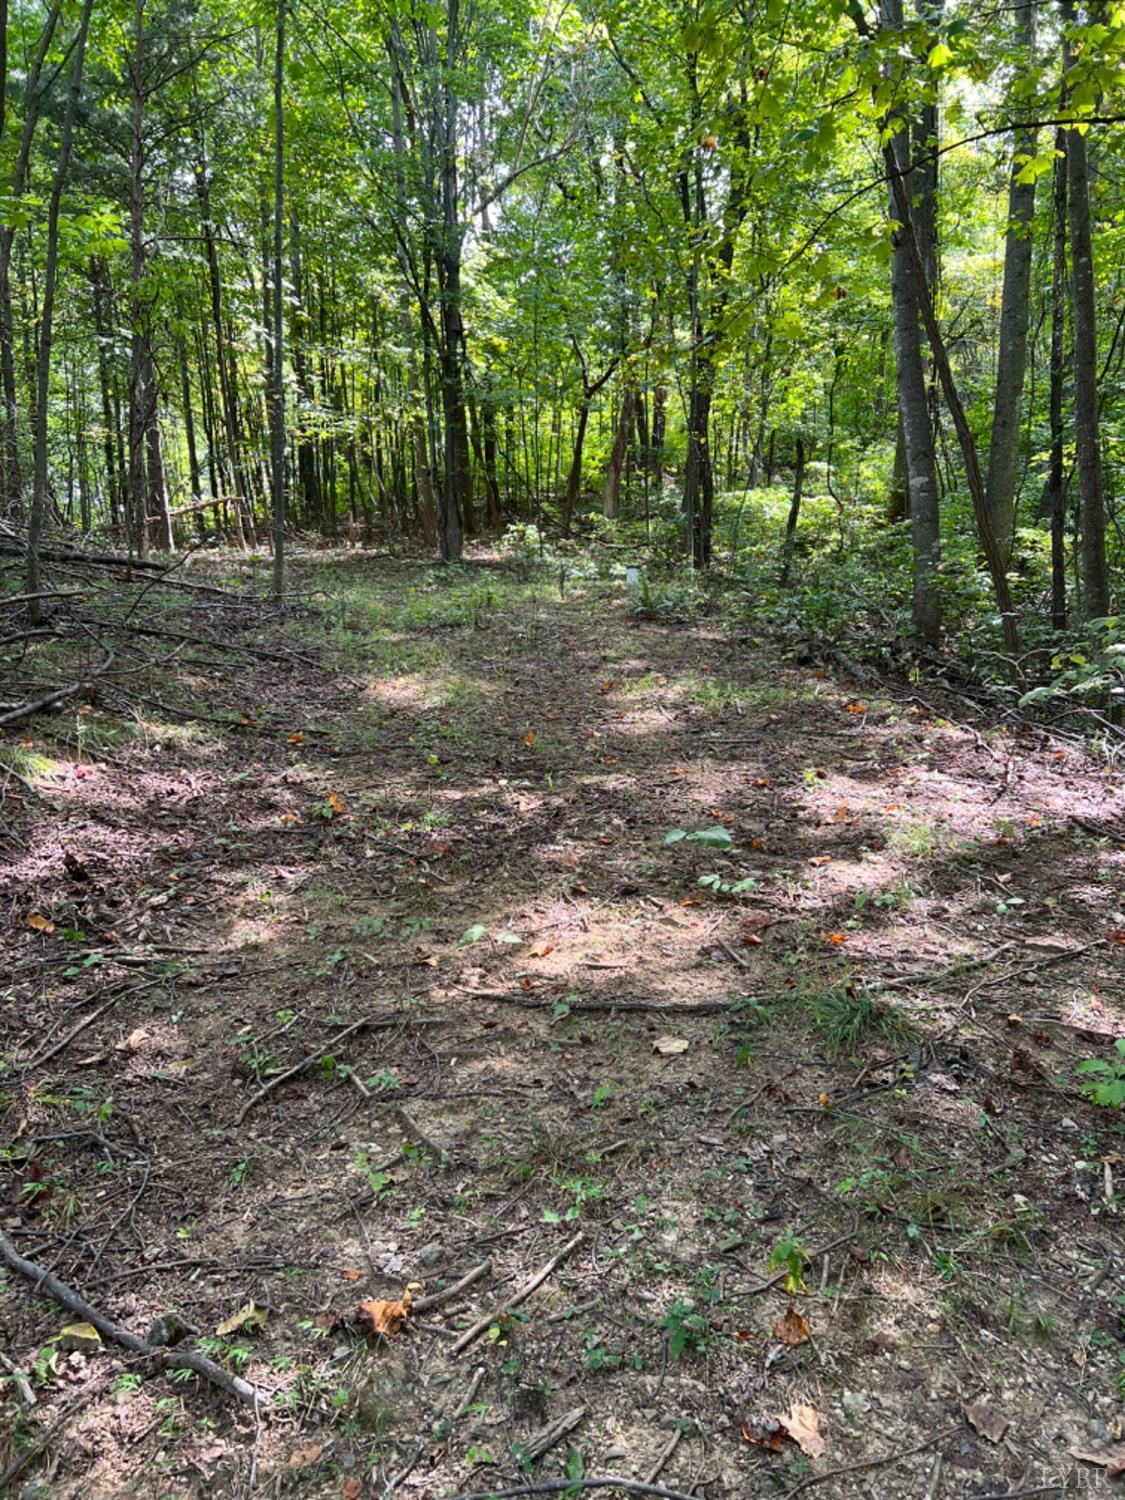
(540,950)
(385,1318)
(1107,1456)
(352,1490)
(669,1046)
(986,1420)
(40,924)
(302,1456)
(792,1327)
(802,1425)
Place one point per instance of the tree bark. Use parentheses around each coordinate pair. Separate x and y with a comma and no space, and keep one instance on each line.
(1055,496)
(277,369)
(611,496)
(1003,453)
(907,291)
(46,324)
(1087,438)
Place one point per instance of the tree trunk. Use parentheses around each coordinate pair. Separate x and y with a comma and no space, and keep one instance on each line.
(46,324)
(611,496)
(1055,497)
(1003,453)
(910,372)
(1087,440)
(277,331)
(574,475)
(794,513)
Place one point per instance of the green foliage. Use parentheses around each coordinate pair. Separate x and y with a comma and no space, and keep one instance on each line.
(686,1329)
(1103,1080)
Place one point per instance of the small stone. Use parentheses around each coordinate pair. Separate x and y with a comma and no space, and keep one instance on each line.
(856,1403)
(615,1452)
(1066,1123)
(431,1254)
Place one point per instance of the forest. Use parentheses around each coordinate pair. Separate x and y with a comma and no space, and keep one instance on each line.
(562,721)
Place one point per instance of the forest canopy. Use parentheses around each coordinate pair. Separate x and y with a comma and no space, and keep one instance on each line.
(819,292)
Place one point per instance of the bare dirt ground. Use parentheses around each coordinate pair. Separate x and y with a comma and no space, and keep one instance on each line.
(846,1059)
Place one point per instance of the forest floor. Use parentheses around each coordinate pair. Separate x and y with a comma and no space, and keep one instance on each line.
(439,803)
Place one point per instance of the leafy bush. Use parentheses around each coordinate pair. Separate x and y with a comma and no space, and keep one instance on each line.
(1104,1082)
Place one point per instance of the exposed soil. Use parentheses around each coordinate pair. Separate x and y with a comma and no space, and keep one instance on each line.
(455,827)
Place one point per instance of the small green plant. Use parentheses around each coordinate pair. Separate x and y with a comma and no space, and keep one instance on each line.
(849,1016)
(720,887)
(789,1253)
(378,1181)
(685,1328)
(1103,1081)
(711,838)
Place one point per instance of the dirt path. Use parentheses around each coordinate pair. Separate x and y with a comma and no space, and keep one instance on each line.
(829,1033)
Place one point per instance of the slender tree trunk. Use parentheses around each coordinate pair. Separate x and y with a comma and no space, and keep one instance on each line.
(611,495)
(1055,496)
(277,402)
(10,471)
(46,327)
(1003,453)
(794,513)
(189,434)
(1087,439)
(910,372)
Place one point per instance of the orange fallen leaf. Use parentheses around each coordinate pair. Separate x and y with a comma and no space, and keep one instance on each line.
(761,781)
(296,739)
(837,938)
(757,843)
(541,949)
(607,686)
(529,738)
(843,813)
(335,802)
(792,1327)
(751,939)
(352,1490)
(40,924)
(1118,936)
(384,1318)
(351,1274)
(821,859)
(288,817)
(857,708)
(824,1100)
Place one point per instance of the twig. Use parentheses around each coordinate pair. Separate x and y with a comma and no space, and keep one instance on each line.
(869,1463)
(622,1002)
(557,1486)
(415,1132)
(471,1394)
(1043,963)
(471,1335)
(37,1062)
(435,1299)
(369,1023)
(665,1454)
(174,1358)
(21,1460)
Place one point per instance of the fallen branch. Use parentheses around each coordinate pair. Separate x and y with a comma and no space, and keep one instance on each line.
(482,1325)
(414,1132)
(558,1486)
(869,1463)
(68,690)
(174,1359)
(435,1299)
(368,1023)
(716,1006)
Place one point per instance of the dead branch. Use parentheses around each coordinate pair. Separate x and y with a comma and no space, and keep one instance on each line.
(427,1304)
(175,1359)
(68,690)
(482,1325)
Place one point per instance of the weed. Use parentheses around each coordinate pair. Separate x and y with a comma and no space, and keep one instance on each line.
(790,1253)
(848,1016)
(1103,1081)
(686,1329)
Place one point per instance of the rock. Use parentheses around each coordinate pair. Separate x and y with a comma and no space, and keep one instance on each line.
(432,1254)
(855,1403)
(1066,1123)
